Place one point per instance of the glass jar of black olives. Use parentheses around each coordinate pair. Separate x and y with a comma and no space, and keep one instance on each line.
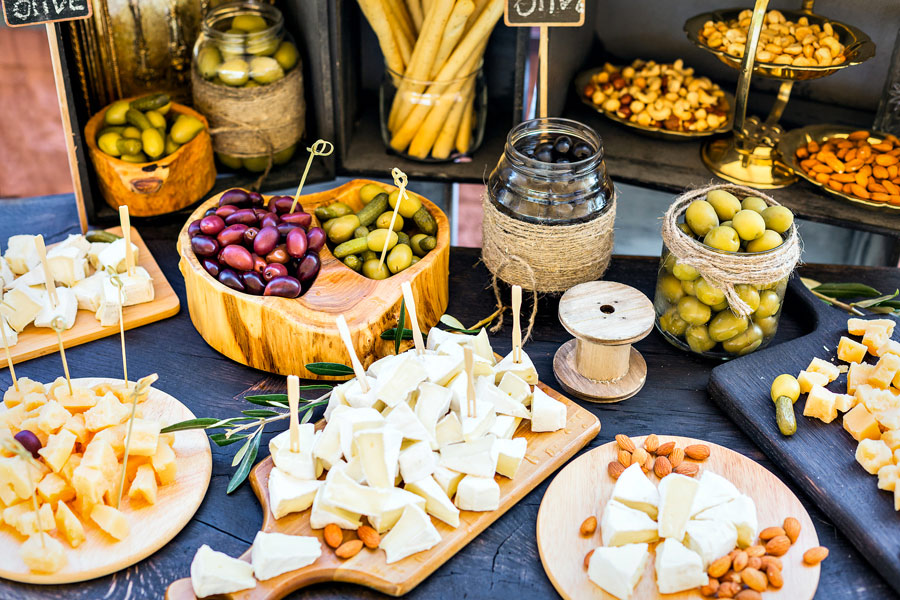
(551,172)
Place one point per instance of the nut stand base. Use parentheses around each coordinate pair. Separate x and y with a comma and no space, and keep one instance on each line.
(760,169)
(598,391)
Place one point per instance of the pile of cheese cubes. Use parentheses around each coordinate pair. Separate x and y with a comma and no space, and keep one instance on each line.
(76,475)
(407,449)
(25,299)
(700,521)
(872,402)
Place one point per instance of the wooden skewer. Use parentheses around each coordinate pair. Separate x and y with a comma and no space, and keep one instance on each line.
(48,276)
(354,360)
(400,181)
(139,387)
(413,319)
(9,360)
(517,327)
(117,282)
(319,148)
(125,221)
(59,326)
(470,381)
(293,394)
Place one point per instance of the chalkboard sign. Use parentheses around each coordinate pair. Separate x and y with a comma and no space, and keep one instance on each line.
(17,13)
(544,13)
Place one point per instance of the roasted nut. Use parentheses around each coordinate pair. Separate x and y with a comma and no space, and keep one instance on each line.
(662,466)
(333,535)
(639,456)
(778,546)
(719,567)
(676,457)
(625,443)
(587,559)
(754,579)
(615,469)
(748,594)
(769,532)
(689,469)
(697,451)
(589,526)
(771,561)
(349,549)
(792,528)
(755,551)
(740,561)
(624,457)
(651,443)
(665,449)
(728,589)
(369,536)
(773,574)
(754,562)
(814,556)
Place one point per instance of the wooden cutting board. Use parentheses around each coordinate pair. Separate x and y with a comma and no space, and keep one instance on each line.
(40,341)
(152,526)
(819,456)
(546,452)
(584,486)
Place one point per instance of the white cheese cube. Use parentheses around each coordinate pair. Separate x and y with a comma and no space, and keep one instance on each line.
(447,479)
(620,525)
(441,368)
(21,254)
(417,462)
(336,399)
(114,256)
(383,365)
(676,495)
(516,387)
(403,419)
(740,512)
(94,252)
(89,292)
(353,420)
(75,241)
(217,573)
(710,539)
(479,424)
(617,570)
(379,452)
(300,464)
(306,433)
(413,533)
(481,367)
(342,491)
(398,499)
(476,457)
(505,427)
(524,368)
(713,491)
(437,336)
(477,494)
(108,311)
(547,414)
(12,337)
(353,469)
(503,403)
(509,455)
(395,386)
(67,265)
(20,306)
(327,447)
(67,308)
(276,553)
(355,397)
(137,288)
(677,568)
(437,503)
(324,512)
(448,430)
(6,275)
(432,403)
(634,490)
(288,494)
(481,344)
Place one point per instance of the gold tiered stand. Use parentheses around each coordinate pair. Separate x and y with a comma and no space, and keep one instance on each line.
(748,156)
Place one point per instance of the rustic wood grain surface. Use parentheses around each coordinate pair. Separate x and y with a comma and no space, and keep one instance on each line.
(503,561)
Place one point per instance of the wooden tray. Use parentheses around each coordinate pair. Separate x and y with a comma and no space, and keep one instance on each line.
(283,335)
(40,341)
(152,526)
(546,452)
(584,486)
(819,457)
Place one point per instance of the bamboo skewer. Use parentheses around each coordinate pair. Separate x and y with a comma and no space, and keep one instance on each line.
(125,221)
(48,275)
(58,326)
(400,181)
(319,148)
(117,282)
(517,326)
(410,302)
(139,388)
(354,359)
(471,408)
(9,360)
(293,394)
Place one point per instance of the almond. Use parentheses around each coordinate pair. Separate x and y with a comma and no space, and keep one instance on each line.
(589,526)
(814,556)
(333,535)
(710,588)
(748,594)
(639,456)
(754,562)
(755,551)
(662,466)
(625,442)
(676,457)
(720,566)
(651,443)
(773,574)
(368,536)
(349,549)
(624,457)
(740,561)
(732,577)
(615,469)
(728,589)
(771,561)
(755,579)
(587,559)
(792,529)
(697,451)
(689,469)
(778,545)
(769,532)
(665,449)
(648,464)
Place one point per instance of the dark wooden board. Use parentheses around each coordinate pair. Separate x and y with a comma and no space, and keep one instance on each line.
(819,456)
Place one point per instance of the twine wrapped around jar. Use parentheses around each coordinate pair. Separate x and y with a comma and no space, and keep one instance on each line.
(727,269)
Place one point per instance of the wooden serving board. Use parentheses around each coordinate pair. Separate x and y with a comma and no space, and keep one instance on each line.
(583,488)
(819,457)
(546,452)
(152,526)
(40,341)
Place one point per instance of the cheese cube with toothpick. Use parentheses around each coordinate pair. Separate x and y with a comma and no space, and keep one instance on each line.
(94,253)
(89,291)
(68,265)
(66,308)
(114,256)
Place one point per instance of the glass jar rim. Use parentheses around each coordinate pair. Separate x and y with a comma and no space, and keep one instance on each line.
(792,230)
(232,9)
(523,130)
(427,82)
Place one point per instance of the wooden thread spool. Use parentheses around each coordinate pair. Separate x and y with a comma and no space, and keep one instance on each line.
(606,318)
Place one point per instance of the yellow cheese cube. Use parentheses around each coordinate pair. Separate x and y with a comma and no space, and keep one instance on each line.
(144,438)
(106,413)
(69,525)
(32,426)
(858,375)
(883,405)
(80,400)
(144,484)
(58,448)
(12,514)
(889,347)
(115,437)
(872,455)
(14,472)
(169,438)
(8,495)
(70,466)
(163,462)
(884,371)
(860,423)
(875,339)
(27,523)
(100,455)
(891,437)
(53,487)
(34,400)
(829,370)
(75,424)
(84,506)
(12,418)
(134,463)
(861,326)
(13,397)
(888,475)
(844,402)
(90,484)
(850,351)
(808,380)
(111,521)
(820,405)
(43,555)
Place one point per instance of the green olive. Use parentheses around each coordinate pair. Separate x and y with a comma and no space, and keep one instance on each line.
(725,203)
(669,262)
(370,269)
(282,156)
(769,240)
(754,203)
(287,55)
(185,129)
(707,293)
(749,295)
(725,325)
(107,143)
(723,238)
(689,287)
(768,304)
(327,223)
(342,228)
(670,287)
(265,45)
(265,69)
(234,71)
(745,342)
(379,238)
(384,219)
(129,146)
(354,262)
(415,243)
(672,323)
(686,229)
(693,311)
(749,224)
(685,272)
(769,325)
(156,119)
(255,164)
(727,224)
(138,119)
(115,113)
(132,133)
(778,218)
(153,143)
(698,339)
(232,162)
(701,217)
(368,192)
(785,385)
(399,258)
(251,84)
(208,60)
(171,146)
(140,157)
(408,207)
(720,306)
(249,23)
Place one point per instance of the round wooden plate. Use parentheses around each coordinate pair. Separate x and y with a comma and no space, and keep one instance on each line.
(152,526)
(584,486)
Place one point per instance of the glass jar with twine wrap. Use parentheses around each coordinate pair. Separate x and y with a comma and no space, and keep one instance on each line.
(717,303)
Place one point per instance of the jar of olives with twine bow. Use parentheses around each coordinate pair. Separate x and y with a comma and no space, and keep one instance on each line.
(247,80)
(724,270)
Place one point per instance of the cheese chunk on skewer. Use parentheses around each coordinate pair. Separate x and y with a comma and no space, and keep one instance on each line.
(67,265)
(89,292)
(523,369)
(114,256)
(67,308)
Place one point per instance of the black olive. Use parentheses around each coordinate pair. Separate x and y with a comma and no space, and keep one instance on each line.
(562,144)
(582,150)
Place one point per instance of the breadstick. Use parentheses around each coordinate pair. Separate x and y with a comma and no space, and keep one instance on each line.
(479,7)
(454,30)
(464,135)
(401,25)
(447,138)
(415,12)
(375,14)
(426,6)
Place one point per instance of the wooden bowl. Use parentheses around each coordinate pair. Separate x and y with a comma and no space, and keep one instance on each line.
(165,185)
(282,335)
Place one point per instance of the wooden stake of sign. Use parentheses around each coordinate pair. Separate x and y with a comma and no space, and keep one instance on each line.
(125,222)
(542,72)
(410,302)
(354,360)
(293,394)
(58,326)
(48,275)
(9,360)
(400,181)
(471,408)
(319,148)
(517,325)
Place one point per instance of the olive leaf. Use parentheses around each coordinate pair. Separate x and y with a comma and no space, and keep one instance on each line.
(879,301)
(452,322)
(391,334)
(246,464)
(242,451)
(202,423)
(329,369)
(401,323)
(260,413)
(220,439)
(846,290)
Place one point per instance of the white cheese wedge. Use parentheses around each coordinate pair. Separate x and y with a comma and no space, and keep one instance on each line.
(288,494)
(441,368)
(67,265)
(306,439)
(617,570)
(398,499)
(353,469)
(273,554)
(355,397)
(437,336)
(437,503)
(516,387)
(342,491)
(547,414)
(379,451)
(505,427)
(413,533)
(713,491)
(21,254)
(12,336)
(476,457)
(448,479)
(382,365)
(458,387)
(114,256)
(509,455)
(503,403)
(677,568)
(417,462)
(477,494)
(66,307)
(481,366)
(335,399)
(89,291)
(524,368)
(395,385)
(6,275)
(634,490)
(323,513)
(676,494)
(217,573)
(327,448)
(74,240)
(32,278)
(448,430)
(20,306)
(353,420)
(300,464)
(432,403)
(740,512)
(710,539)
(403,419)
(620,525)
(94,252)
(481,344)
(137,288)
(479,424)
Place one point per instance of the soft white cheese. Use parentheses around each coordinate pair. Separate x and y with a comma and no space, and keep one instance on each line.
(503,403)
(12,337)
(94,252)
(524,368)
(356,398)
(677,568)
(417,462)
(676,494)
(323,513)
(713,491)
(67,265)
(137,288)
(620,525)
(395,385)
(437,503)
(480,368)
(516,387)
(114,256)
(379,451)
(20,306)
(66,307)
(288,494)
(547,414)
(6,275)
(448,430)
(634,490)
(505,427)
(342,491)
(447,479)
(353,420)
(327,447)
(217,573)
(481,344)
(413,533)
(437,336)
(273,554)
(21,254)
(403,419)
(740,512)
(300,464)
(479,424)
(509,455)
(335,399)
(710,539)
(382,365)
(354,469)
(74,240)
(89,291)
(477,494)
(618,569)
(306,435)
(441,368)
(432,403)
(397,500)
(476,457)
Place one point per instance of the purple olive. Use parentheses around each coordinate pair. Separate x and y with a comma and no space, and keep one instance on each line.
(30,441)
(235,196)
(212,225)
(233,234)
(226,211)
(250,235)
(255,197)
(253,282)
(260,213)
(278,255)
(285,286)
(203,245)
(243,216)
(315,238)
(266,240)
(259,263)
(212,267)
(295,242)
(230,278)
(309,267)
(237,257)
(194,228)
(270,220)
(281,204)
(210,211)
(274,270)
(297,218)
(284,228)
